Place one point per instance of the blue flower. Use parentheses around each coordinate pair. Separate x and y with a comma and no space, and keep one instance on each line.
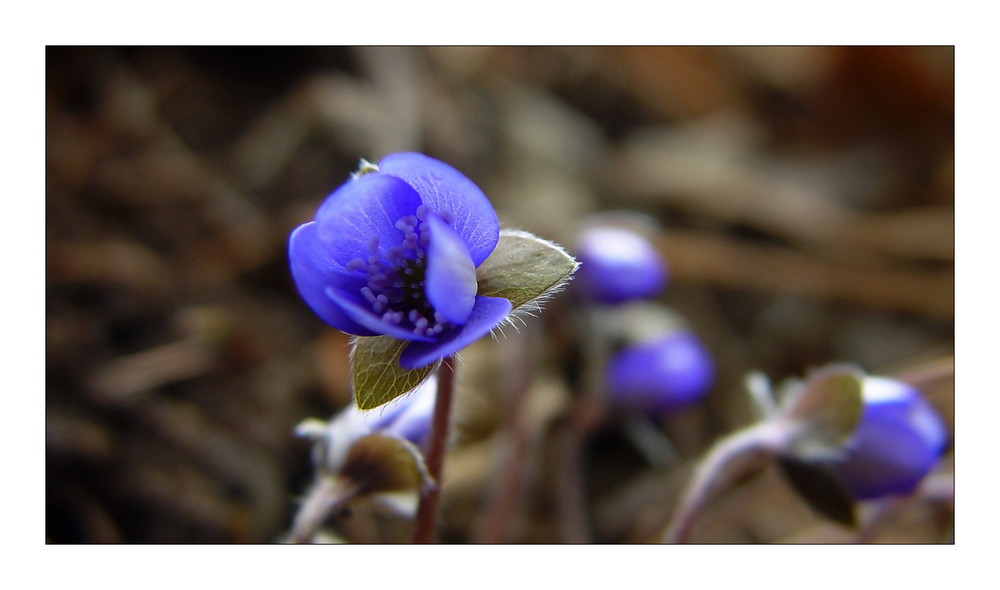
(618,265)
(660,375)
(377,454)
(897,442)
(394,252)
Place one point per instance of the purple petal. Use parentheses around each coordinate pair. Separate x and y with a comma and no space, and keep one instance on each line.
(314,271)
(357,309)
(447,191)
(379,418)
(487,314)
(451,276)
(362,211)
(889,400)
(896,444)
(890,458)
(414,421)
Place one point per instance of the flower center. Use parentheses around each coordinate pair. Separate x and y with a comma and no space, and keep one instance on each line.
(396,275)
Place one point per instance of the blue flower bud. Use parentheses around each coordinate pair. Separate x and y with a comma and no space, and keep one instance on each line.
(407,417)
(617,265)
(660,375)
(897,442)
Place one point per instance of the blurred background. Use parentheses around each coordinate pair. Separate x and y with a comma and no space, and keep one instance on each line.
(806,210)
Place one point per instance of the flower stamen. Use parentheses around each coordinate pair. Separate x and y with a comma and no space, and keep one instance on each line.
(396,277)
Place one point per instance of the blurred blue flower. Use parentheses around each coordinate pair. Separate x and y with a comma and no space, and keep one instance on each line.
(897,442)
(407,418)
(660,375)
(618,265)
(394,252)
(351,448)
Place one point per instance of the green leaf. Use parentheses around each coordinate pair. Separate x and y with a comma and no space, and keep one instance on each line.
(376,374)
(524,269)
(824,411)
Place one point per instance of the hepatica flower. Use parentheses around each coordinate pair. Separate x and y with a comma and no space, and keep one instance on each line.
(406,419)
(618,265)
(395,252)
(663,374)
(839,435)
(375,454)
(897,441)
(408,255)
(844,434)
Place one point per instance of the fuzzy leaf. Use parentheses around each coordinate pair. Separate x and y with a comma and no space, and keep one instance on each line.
(524,268)
(376,374)
(825,410)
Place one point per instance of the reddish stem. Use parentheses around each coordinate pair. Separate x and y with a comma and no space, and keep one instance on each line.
(430,495)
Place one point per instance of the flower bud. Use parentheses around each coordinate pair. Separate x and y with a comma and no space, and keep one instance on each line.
(618,265)
(897,442)
(406,418)
(660,375)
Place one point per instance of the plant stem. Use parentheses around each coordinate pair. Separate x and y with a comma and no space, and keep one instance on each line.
(430,495)
(719,465)
(325,495)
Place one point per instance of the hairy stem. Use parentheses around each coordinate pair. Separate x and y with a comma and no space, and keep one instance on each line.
(724,461)
(430,495)
(325,496)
